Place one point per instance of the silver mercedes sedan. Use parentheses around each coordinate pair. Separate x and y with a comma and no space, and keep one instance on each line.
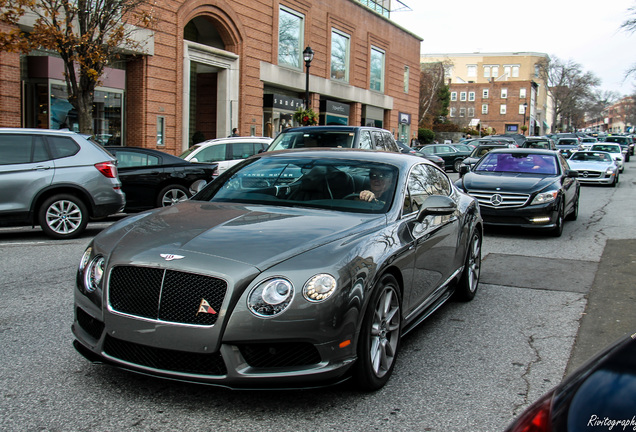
(297,268)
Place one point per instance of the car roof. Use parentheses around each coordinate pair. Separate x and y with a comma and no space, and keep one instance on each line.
(401,160)
(39,131)
(331,127)
(266,140)
(526,151)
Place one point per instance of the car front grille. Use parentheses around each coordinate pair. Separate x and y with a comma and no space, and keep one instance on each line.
(590,174)
(280,354)
(166,295)
(499,199)
(165,359)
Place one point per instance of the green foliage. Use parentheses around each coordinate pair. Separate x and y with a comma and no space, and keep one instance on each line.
(306,117)
(425,136)
(446,127)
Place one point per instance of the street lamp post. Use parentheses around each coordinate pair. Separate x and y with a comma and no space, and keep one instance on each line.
(525,108)
(308,56)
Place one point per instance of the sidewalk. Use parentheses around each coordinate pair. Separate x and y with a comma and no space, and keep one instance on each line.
(611,308)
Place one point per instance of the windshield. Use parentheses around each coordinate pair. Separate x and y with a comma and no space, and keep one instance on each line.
(317,138)
(538,144)
(519,163)
(326,184)
(591,157)
(611,148)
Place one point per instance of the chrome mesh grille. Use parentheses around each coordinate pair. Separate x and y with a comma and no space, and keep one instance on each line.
(165,295)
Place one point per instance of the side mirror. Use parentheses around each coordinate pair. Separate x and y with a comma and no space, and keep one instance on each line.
(437,205)
(572,173)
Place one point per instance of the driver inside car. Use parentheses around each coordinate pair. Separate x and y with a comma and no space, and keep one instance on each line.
(379,186)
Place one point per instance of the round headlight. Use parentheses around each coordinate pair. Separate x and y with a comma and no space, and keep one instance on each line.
(85,258)
(319,288)
(94,274)
(270,297)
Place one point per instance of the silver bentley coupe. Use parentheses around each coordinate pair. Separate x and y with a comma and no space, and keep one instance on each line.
(297,268)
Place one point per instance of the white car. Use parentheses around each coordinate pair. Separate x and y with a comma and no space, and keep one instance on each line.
(613,149)
(226,151)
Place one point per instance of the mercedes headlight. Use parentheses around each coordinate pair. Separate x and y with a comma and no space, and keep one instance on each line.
(545,197)
(271,297)
(319,288)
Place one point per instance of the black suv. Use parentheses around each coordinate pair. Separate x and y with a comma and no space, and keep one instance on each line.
(57,179)
(335,136)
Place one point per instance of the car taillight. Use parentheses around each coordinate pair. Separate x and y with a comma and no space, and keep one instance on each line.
(537,418)
(107,168)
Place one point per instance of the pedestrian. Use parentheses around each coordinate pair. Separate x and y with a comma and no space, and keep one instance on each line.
(235,132)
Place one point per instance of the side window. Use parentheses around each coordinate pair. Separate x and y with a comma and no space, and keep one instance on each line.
(389,142)
(21,149)
(62,147)
(127,159)
(213,153)
(377,138)
(423,182)
(365,140)
(242,150)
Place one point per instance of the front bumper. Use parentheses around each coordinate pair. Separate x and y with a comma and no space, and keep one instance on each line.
(534,216)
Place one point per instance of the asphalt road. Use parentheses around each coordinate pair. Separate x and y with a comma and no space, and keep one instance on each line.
(544,306)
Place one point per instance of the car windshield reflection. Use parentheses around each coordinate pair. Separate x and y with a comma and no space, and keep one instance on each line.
(518,163)
(324,184)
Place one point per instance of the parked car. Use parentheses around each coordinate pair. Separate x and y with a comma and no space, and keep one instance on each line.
(595,167)
(226,152)
(152,178)
(539,142)
(408,150)
(517,138)
(363,137)
(57,179)
(567,146)
(452,155)
(598,396)
(293,268)
(618,154)
(529,188)
(479,151)
(626,142)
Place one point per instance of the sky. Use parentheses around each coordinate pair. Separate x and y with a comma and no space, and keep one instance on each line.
(585,31)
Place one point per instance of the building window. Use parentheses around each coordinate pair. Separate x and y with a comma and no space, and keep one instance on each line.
(536,70)
(507,71)
(471,96)
(340,43)
(502,109)
(486,71)
(504,93)
(495,71)
(290,37)
(485,93)
(471,112)
(407,73)
(462,96)
(484,108)
(522,109)
(515,71)
(471,70)
(377,70)
(453,110)
(453,96)
(462,112)
(161,131)
(522,93)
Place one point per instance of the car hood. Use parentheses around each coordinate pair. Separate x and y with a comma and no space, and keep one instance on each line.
(589,166)
(506,182)
(229,234)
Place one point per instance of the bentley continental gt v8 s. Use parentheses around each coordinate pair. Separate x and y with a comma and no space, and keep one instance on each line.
(529,188)
(295,268)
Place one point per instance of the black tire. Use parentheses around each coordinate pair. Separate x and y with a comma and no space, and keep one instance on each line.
(171,195)
(379,340)
(63,216)
(558,229)
(575,210)
(615,182)
(456,165)
(469,281)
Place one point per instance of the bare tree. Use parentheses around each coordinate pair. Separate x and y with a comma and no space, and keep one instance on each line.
(86,34)
(431,92)
(630,26)
(569,88)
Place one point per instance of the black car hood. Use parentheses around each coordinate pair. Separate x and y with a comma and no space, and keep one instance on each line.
(506,182)
(254,235)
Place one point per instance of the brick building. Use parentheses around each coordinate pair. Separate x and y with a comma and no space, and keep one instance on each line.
(503,91)
(619,117)
(212,65)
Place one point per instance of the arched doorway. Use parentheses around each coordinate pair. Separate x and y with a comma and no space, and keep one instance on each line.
(210,84)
